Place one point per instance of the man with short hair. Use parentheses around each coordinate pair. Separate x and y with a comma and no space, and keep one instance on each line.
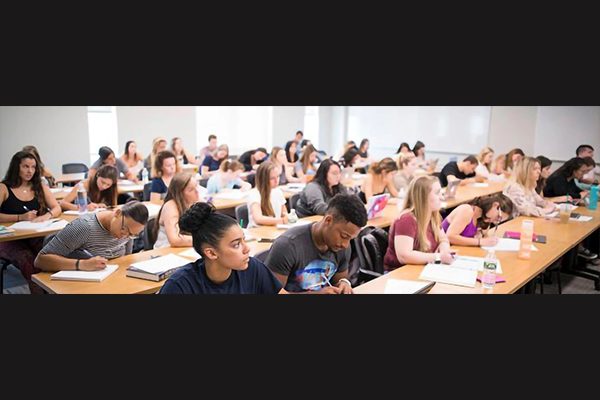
(208,150)
(464,170)
(314,258)
(590,178)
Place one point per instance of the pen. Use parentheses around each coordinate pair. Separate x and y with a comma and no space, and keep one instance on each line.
(87,253)
(326,280)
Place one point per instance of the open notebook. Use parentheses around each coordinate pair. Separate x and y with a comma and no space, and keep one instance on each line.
(76,212)
(50,225)
(90,276)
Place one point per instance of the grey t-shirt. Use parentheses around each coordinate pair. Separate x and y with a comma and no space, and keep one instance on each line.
(121,166)
(313,200)
(294,254)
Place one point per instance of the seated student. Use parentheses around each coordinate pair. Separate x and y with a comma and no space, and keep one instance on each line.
(182,194)
(306,165)
(303,143)
(426,165)
(590,164)
(485,158)
(407,164)
(404,149)
(315,196)
(158,144)
(132,158)
(101,190)
(211,164)
(363,150)
(266,203)
(314,258)
(290,151)
(226,266)
(252,158)
(350,158)
(379,179)
(183,155)
(463,170)
(47,177)
(88,242)
(583,151)
(499,166)
(287,174)
(562,181)
(546,165)
(299,136)
(512,159)
(521,189)
(208,150)
(23,197)
(167,166)
(416,236)
(465,225)
(227,177)
(107,157)
(349,145)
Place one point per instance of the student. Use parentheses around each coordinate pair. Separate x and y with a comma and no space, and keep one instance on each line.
(463,170)
(211,164)
(226,266)
(167,166)
(485,159)
(306,165)
(158,144)
(512,159)
(465,225)
(208,150)
(379,179)
(252,158)
(182,194)
(107,157)
(23,197)
(416,236)
(314,258)
(562,181)
(546,165)
(521,189)
(499,167)
(266,203)
(287,174)
(227,177)
(363,149)
(583,151)
(302,147)
(407,165)
(88,242)
(132,158)
(291,151)
(419,151)
(101,190)
(350,158)
(299,137)
(315,196)
(591,164)
(47,176)
(183,155)
(349,145)
(404,148)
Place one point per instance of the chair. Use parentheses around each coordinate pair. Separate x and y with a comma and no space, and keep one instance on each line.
(74,168)
(147,187)
(148,235)
(262,256)
(546,277)
(203,182)
(241,214)
(4,264)
(294,200)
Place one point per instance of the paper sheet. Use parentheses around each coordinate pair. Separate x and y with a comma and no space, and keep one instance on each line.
(92,276)
(447,274)
(76,212)
(190,253)
(480,185)
(161,264)
(473,264)
(401,286)
(40,226)
(505,244)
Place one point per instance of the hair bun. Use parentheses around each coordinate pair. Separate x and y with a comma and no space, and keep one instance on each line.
(194,218)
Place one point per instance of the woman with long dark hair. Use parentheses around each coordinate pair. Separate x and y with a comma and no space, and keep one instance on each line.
(326,184)
(101,190)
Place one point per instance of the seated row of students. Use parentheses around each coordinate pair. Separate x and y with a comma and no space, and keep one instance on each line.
(107,157)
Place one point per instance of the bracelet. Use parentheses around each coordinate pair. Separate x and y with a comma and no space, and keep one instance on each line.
(345,280)
(77,264)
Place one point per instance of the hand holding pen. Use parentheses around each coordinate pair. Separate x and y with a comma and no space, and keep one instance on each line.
(28,216)
(94,263)
(330,289)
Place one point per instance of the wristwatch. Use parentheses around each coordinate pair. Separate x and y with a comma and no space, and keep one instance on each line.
(438,258)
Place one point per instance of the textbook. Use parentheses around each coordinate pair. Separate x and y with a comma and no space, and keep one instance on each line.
(156,269)
(89,276)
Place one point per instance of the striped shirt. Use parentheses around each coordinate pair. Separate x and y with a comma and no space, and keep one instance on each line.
(86,233)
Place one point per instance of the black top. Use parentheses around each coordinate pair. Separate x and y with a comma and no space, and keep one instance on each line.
(452,169)
(558,185)
(246,160)
(12,205)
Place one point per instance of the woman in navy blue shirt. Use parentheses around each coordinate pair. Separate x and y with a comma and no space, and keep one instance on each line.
(211,164)
(226,266)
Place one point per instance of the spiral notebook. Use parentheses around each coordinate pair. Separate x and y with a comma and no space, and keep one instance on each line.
(89,276)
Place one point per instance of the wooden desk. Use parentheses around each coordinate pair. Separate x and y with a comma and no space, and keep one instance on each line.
(71,178)
(466,193)
(27,234)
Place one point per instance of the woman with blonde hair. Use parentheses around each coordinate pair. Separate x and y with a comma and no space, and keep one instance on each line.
(521,189)
(211,163)
(416,236)
(266,203)
(407,166)
(183,155)
(485,158)
(306,165)
(132,158)
(227,177)
(158,144)
(182,194)
(379,179)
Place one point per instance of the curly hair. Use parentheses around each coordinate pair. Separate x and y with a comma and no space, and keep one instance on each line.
(205,224)
(347,207)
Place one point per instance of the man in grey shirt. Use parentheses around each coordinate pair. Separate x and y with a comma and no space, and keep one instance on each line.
(314,258)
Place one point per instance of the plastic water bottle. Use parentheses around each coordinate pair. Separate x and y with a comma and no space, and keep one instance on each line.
(490,264)
(526,239)
(593,197)
(81,197)
(145,176)
(292,217)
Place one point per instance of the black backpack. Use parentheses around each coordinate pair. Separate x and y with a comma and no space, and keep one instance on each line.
(368,250)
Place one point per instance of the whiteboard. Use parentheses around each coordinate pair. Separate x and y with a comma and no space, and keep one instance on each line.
(452,129)
(559,130)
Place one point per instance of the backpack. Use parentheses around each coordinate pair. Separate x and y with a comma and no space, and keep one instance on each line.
(367,252)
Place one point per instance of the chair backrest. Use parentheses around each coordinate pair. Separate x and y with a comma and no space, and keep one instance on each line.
(74,168)
(241,214)
(203,182)
(262,256)
(147,187)
(294,200)
(149,237)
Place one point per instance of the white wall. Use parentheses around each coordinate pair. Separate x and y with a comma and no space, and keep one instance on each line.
(512,127)
(144,123)
(286,122)
(59,133)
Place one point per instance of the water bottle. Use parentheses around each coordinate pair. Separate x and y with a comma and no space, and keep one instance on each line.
(526,239)
(81,197)
(292,217)
(593,197)
(145,176)
(490,263)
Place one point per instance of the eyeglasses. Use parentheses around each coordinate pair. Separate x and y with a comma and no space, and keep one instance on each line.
(124,228)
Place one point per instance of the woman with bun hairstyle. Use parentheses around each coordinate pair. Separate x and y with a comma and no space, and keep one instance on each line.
(226,266)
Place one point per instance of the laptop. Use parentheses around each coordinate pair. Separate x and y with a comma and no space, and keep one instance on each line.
(376,204)
(451,189)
